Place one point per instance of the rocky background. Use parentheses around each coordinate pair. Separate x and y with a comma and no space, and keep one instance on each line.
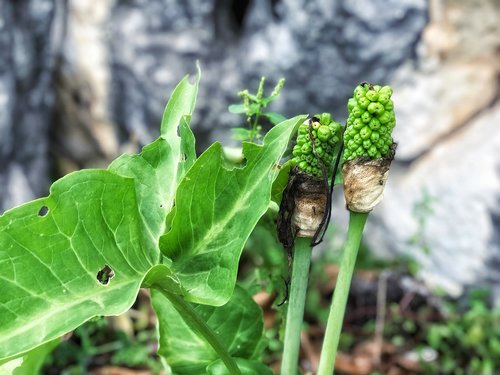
(82,81)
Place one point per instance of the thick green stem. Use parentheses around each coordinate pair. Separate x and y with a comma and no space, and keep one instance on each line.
(295,314)
(196,323)
(336,317)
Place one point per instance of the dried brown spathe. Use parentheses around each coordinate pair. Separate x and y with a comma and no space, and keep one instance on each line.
(364,181)
(302,208)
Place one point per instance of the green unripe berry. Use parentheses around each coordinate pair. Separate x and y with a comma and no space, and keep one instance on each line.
(357,139)
(363,102)
(303,165)
(385,117)
(384,149)
(351,104)
(319,151)
(389,106)
(366,117)
(376,108)
(325,118)
(356,112)
(324,133)
(374,124)
(377,88)
(372,151)
(301,139)
(375,136)
(335,126)
(315,125)
(365,133)
(359,92)
(384,99)
(386,90)
(297,151)
(357,124)
(306,148)
(367,144)
(372,95)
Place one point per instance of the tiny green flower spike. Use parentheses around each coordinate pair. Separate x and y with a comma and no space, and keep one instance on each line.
(370,122)
(317,142)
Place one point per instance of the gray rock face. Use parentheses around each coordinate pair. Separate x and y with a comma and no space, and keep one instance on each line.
(323,49)
(26,61)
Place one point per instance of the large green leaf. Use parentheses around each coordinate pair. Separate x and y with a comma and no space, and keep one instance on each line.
(31,363)
(57,254)
(216,210)
(238,325)
(246,366)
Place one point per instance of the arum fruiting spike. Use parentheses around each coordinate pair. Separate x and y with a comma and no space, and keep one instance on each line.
(316,144)
(371,117)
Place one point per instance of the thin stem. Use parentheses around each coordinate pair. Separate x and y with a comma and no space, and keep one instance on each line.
(254,126)
(295,313)
(200,326)
(336,317)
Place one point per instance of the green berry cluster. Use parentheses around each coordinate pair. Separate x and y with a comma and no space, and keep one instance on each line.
(370,122)
(316,143)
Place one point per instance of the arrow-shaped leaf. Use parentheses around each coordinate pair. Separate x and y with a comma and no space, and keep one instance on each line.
(216,210)
(85,249)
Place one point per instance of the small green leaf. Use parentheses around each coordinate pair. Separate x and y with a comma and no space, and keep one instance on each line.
(216,210)
(247,367)
(238,325)
(275,117)
(241,134)
(236,108)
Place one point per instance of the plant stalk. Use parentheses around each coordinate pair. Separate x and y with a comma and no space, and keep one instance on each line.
(200,326)
(295,314)
(337,310)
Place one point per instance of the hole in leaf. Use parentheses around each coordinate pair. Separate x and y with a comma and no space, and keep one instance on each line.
(105,274)
(44,210)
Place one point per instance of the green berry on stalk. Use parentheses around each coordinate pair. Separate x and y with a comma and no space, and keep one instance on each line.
(366,117)
(325,118)
(357,124)
(374,124)
(363,102)
(324,133)
(372,95)
(376,108)
(351,104)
